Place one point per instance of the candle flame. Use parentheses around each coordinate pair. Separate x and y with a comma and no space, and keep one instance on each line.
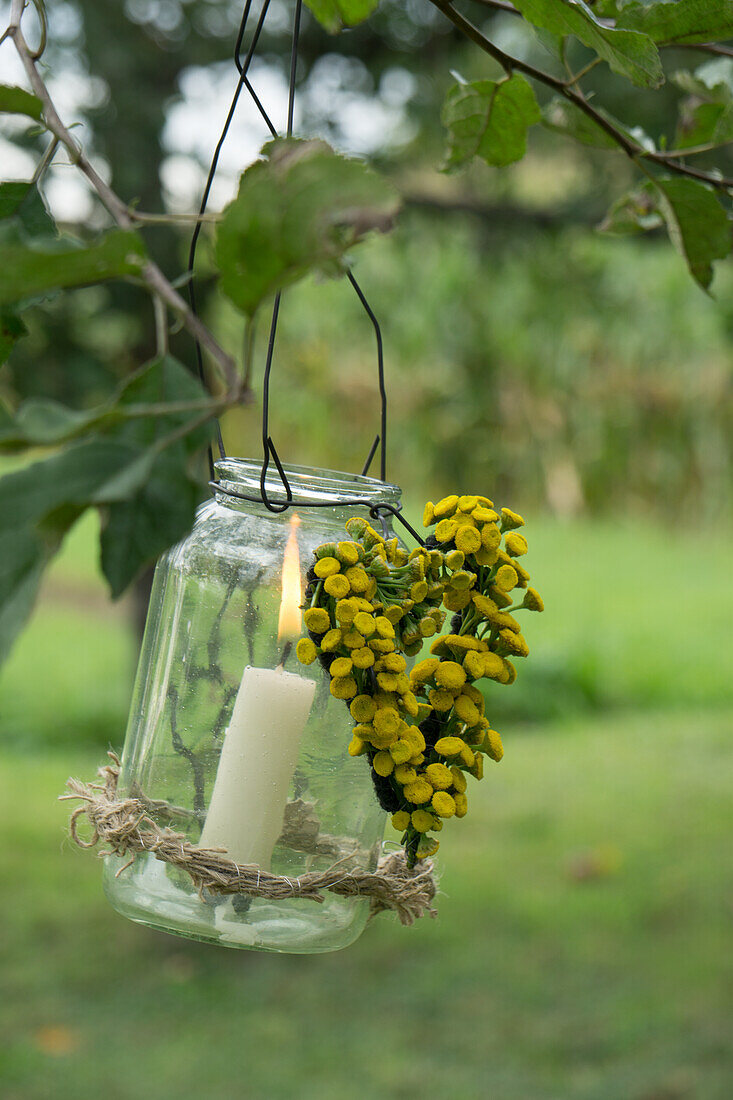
(289,621)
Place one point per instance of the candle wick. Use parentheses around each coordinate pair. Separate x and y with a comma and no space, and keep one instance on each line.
(285,654)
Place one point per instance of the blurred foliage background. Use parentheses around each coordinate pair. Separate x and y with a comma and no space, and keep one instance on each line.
(583,947)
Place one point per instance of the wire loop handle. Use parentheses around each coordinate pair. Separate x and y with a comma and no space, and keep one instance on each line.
(269,451)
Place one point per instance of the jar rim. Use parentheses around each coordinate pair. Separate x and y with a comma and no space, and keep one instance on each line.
(308,484)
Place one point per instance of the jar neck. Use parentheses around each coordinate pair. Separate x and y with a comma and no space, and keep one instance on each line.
(310,488)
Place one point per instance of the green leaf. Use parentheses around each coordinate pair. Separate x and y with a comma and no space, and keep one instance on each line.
(42,422)
(23,557)
(136,531)
(299,210)
(706,115)
(635,212)
(44,500)
(627,52)
(565,118)
(681,20)
(16,101)
(712,82)
(26,271)
(334,15)
(696,222)
(11,330)
(24,213)
(87,472)
(490,120)
(140,481)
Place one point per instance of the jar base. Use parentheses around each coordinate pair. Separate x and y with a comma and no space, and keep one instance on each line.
(145,893)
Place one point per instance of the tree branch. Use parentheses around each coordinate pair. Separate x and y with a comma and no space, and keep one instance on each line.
(511,64)
(152,276)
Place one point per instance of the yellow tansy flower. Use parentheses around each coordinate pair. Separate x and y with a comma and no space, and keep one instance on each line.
(459,780)
(450,675)
(446,506)
(344,687)
(474,664)
(401,751)
(383,763)
(482,514)
(331,641)
(357,747)
(443,804)
(357,578)
(362,658)
(364,623)
(467,710)
(468,540)
(449,746)
(461,803)
(404,774)
(306,651)
(456,601)
(345,611)
(439,776)
(414,736)
(490,536)
(418,792)
(422,820)
(424,670)
(493,745)
(410,704)
(418,591)
(386,720)
(506,578)
(317,620)
(340,667)
(445,530)
(427,627)
(428,516)
(394,613)
(384,627)
(514,643)
(486,606)
(401,820)
(533,601)
(440,699)
(455,559)
(337,586)
(348,552)
(510,520)
(516,544)
(327,567)
(352,639)
(363,708)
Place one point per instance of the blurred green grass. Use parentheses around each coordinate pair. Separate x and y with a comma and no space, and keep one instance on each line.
(582,948)
(581,951)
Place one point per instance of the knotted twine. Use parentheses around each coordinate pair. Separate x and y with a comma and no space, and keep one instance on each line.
(125,825)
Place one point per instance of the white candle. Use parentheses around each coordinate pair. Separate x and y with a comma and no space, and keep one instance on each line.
(261,745)
(256,766)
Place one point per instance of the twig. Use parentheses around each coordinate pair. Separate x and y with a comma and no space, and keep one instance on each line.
(161,326)
(511,64)
(151,273)
(171,219)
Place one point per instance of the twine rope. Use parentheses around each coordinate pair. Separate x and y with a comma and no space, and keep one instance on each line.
(126,827)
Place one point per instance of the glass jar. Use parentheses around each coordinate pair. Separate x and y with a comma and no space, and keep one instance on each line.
(232,742)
